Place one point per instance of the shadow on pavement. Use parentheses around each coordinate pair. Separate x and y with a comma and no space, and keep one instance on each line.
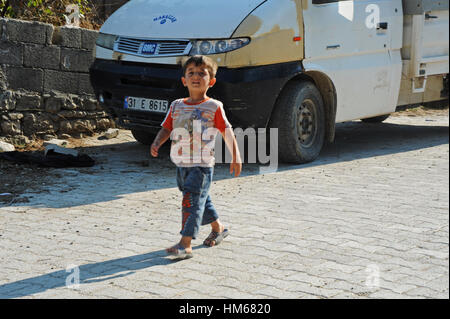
(88,273)
(127,168)
(357,140)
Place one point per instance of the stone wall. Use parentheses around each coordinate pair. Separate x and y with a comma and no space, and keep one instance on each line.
(44,81)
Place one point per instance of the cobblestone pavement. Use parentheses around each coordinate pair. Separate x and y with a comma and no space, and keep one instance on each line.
(368,219)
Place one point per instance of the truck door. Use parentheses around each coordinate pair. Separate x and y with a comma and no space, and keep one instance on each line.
(357,44)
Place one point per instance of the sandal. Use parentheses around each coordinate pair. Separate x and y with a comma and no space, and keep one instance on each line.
(215,238)
(179,253)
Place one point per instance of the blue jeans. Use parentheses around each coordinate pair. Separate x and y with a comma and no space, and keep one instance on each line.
(197,208)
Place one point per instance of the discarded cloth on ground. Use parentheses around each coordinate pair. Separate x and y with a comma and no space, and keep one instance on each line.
(51,159)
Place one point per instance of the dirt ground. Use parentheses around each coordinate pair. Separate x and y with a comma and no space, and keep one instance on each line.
(19,178)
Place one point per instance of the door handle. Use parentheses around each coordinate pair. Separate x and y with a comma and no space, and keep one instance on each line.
(382,26)
(331,47)
(428,16)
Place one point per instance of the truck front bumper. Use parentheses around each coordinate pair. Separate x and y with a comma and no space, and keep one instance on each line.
(248,94)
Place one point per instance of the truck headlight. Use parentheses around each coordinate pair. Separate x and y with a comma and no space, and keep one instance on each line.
(106,40)
(205,47)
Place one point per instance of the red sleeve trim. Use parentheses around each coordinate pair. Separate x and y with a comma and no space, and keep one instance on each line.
(220,121)
(168,121)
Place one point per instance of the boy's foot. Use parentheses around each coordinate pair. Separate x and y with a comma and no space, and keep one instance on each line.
(215,238)
(179,252)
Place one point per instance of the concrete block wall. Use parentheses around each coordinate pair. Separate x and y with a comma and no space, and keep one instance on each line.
(44,81)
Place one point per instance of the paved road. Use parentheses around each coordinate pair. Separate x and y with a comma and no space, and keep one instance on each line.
(368,219)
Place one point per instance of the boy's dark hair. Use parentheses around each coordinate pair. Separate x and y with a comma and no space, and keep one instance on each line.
(199,60)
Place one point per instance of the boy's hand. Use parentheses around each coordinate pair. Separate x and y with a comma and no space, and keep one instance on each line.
(236,167)
(160,139)
(154,149)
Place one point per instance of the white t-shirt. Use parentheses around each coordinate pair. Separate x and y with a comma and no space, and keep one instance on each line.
(194,128)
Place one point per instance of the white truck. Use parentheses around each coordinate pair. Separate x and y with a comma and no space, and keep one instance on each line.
(298,65)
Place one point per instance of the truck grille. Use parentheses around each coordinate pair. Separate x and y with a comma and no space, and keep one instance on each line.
(152,47)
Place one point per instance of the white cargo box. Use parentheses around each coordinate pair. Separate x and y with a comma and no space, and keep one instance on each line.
(425,47)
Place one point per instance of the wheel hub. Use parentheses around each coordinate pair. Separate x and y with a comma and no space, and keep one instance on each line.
(306,121)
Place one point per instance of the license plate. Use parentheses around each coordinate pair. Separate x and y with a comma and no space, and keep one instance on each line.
(143,104)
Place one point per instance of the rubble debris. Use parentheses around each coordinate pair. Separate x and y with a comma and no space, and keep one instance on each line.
(6,147)
(60,150)
(111,133)
(55,141)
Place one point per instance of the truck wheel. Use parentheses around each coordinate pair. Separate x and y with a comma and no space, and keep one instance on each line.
(300,119)
(143,137)
(376,119)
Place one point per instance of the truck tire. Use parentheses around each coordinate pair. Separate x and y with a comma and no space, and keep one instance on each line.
(143,137)
(300,119)
(376,119)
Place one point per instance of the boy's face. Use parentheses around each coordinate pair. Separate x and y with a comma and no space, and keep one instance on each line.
(197,78)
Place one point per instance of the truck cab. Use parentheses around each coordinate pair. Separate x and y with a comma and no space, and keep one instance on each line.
(300,66)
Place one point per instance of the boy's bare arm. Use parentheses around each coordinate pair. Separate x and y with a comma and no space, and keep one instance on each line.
(231,143)
(162,136)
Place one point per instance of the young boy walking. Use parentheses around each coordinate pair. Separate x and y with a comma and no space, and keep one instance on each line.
(192,123)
